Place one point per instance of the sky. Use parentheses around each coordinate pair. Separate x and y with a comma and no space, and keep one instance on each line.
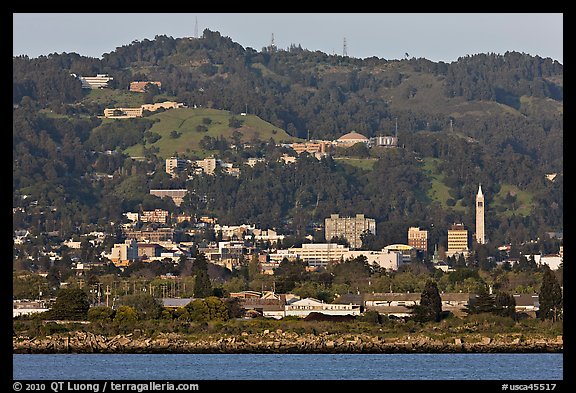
(434,36)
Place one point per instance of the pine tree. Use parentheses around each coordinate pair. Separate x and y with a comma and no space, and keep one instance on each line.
(485,303)
(505,305)
(430,307)
(550,297)
(202,284)
(70,304)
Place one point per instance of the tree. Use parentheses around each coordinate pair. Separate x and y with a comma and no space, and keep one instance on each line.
(147,306)
(254,267)
(202,284)
(71,304)
(485,303)
(126,314)
(505,304)
(550,297)
(430,307)
(101,313)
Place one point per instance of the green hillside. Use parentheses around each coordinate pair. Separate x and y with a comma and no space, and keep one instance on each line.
(513,201)
(186,120)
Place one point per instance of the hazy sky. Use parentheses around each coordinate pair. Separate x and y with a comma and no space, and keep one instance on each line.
(437,37)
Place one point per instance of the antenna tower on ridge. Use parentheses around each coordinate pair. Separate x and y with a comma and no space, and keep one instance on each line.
(272,44)
(344,49)
(196,28)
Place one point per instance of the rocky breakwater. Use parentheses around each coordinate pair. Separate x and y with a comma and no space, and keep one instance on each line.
(281,342)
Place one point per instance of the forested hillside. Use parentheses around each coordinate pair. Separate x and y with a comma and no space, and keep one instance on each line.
(494,119)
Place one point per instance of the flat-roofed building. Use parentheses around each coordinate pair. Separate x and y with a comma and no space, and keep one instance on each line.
(124,253)
(418,238)
(457,240)
(164,105)
(389,260)
(151,235)
(319,254)
(122,113)
(313,147)
(175,165)
(156,215)
(99,81)
(350,228)
(140,87)
(177,195)
(208,165)
(302,308)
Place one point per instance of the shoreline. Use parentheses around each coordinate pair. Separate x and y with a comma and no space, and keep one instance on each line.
(277,343)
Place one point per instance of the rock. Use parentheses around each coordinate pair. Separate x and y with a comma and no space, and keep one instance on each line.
(559,339)
(486,340)
(457,341)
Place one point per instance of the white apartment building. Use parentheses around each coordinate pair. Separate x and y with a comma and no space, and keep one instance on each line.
(389,260)
(99,81)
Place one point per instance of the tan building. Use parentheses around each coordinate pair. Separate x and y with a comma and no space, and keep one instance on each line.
(140,87)
(152,236)
(457,240)
(177,195)
(287,159)
(208,165)
(351,139)
(156,215)
(314,147)
(174,164)
(349,227)
(418,238)
(124,253)
(165,105)
(122,113)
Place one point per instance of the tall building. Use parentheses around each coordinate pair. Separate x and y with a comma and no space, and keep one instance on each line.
(208,165)
(480,236)
(457,240)
(418,238)
(174,165)
(350,228)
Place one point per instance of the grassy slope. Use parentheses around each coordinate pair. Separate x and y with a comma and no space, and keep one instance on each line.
(185,121)
(439,193)
(362,163)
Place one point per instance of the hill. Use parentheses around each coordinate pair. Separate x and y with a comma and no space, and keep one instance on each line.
(194,124)
(494,119)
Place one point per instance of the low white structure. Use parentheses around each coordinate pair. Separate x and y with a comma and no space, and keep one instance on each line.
(99,81)
(20,307)
(302,308)
(389,260)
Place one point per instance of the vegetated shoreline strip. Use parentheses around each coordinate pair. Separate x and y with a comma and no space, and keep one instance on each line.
(82,342)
